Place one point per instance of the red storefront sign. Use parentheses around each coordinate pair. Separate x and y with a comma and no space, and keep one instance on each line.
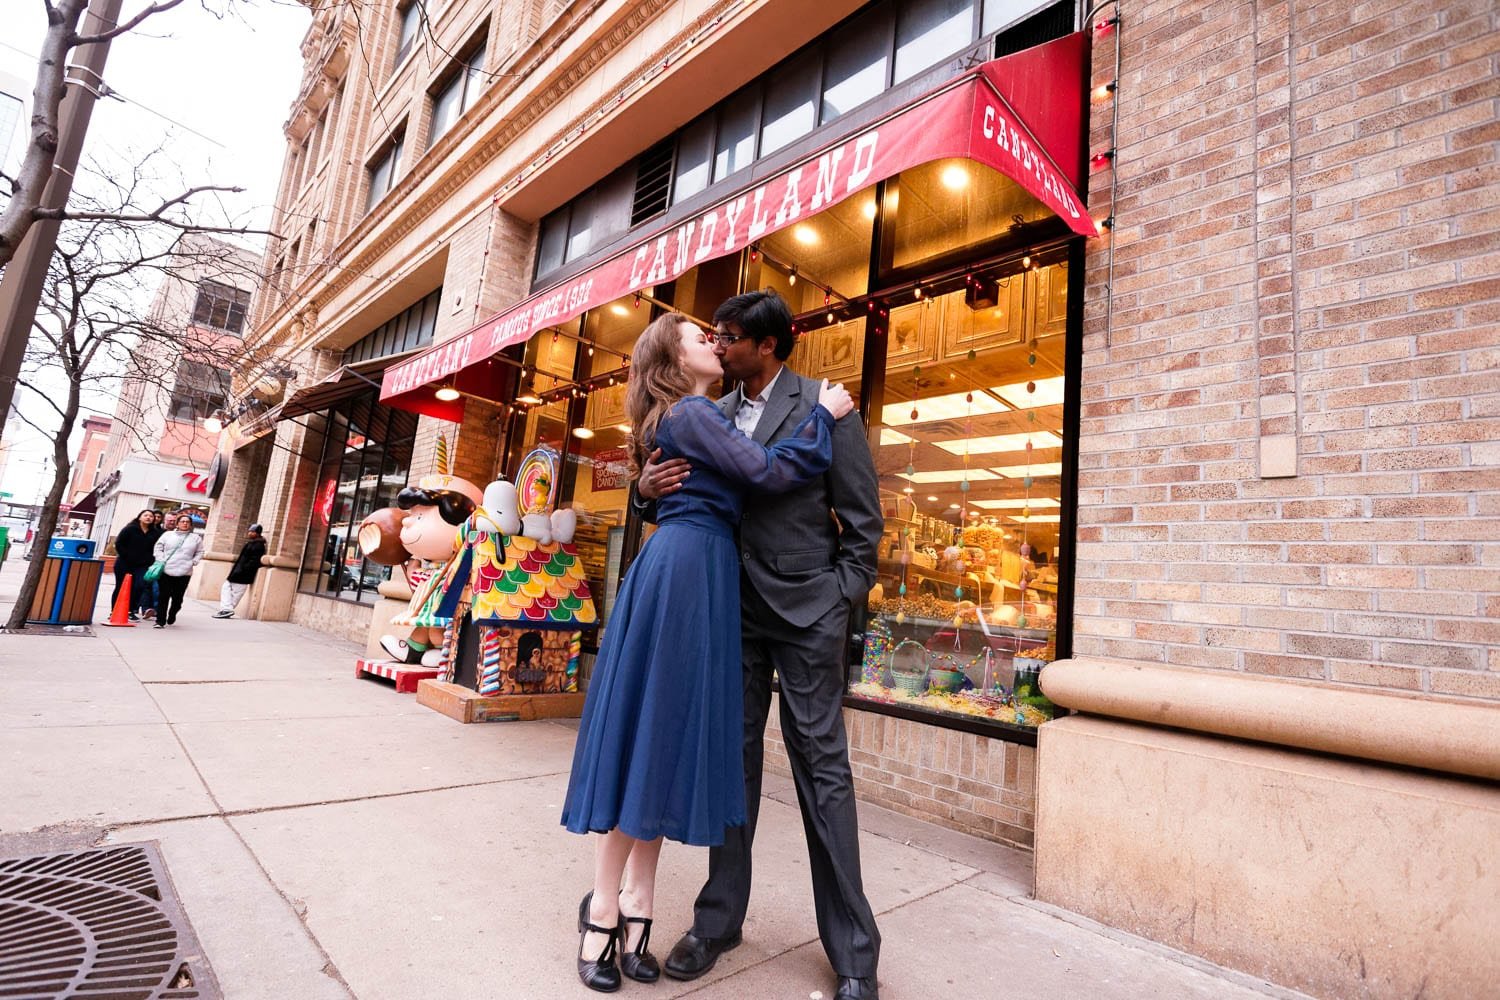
(968,118)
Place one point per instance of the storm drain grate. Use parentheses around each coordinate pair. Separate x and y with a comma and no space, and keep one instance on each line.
(99,924)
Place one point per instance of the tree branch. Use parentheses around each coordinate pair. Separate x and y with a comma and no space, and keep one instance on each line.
(104,36)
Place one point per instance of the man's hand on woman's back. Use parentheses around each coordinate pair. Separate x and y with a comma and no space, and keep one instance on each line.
(660,478)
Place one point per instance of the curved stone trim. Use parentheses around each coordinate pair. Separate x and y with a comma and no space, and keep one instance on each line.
(1439,734)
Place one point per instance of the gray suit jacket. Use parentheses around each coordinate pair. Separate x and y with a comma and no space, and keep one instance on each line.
(807,550)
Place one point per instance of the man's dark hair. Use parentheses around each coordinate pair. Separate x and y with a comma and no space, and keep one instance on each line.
(453,507)
(760,314)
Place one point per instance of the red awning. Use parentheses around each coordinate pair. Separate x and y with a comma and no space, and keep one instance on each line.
(1019,115)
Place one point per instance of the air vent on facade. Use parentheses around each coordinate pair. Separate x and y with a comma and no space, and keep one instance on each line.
(1054,22)
(653,182)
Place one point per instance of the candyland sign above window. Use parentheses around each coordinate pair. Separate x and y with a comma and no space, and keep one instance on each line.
(968,118)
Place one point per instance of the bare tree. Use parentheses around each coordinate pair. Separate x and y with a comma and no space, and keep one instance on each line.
(61,39)
(94,331)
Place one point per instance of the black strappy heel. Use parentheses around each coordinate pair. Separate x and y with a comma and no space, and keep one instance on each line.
(638,963)
(600,974)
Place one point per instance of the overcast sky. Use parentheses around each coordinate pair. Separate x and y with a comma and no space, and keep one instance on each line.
(227,81)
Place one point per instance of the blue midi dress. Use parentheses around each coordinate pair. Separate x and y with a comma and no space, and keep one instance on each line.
(659,749)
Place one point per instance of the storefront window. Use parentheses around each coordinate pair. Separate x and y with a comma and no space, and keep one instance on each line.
(969,454)
(366,462)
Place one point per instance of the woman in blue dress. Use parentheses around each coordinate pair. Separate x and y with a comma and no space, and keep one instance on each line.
(659,752)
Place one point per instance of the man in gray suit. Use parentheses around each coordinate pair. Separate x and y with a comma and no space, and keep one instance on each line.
(806,557)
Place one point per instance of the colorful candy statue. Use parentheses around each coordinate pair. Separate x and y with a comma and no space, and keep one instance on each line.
(437,509)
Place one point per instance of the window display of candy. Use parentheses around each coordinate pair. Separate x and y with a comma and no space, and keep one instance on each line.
(972,670)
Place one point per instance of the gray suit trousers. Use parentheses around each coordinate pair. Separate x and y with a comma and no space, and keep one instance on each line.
(807,661)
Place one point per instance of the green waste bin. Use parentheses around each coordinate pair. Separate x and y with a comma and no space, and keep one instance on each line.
(4,542)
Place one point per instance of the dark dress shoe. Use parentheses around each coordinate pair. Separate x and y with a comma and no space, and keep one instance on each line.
(692,955)
(600,974)
(638,963)
(857,989)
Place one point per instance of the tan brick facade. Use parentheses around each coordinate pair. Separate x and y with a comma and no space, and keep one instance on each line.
(1289,398)
(1304,246)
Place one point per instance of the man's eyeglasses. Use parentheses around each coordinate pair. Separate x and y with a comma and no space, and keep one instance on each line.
(727,339)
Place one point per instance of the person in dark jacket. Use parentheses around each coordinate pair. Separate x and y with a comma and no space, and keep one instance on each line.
(133,548)
(242,573)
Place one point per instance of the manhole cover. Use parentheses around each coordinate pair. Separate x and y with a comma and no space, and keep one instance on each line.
(100,924)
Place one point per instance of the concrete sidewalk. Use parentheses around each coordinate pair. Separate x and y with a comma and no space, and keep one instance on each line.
(330,838)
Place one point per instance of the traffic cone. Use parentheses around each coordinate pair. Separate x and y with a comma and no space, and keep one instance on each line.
(120,618)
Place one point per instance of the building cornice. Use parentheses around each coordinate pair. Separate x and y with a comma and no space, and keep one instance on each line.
(406,213)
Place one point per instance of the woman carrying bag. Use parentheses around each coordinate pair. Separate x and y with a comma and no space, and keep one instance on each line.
(177,552)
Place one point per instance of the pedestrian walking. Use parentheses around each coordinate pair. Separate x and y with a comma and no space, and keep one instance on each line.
(242,573)
(808,556)
(134,546)
(659,750)
(177,552)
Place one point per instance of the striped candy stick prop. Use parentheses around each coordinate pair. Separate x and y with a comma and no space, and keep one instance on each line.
(442,455)
(450,653)
(575,647)
(489,661)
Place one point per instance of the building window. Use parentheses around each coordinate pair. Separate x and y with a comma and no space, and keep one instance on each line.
(553,244)
(581,226)
(409,330)
(411,21)
(929,31)
(858,64)
(383,171)
(10,122)
(221,306)
(366,461)
(791,104)
(198,390)
(695,155)
(735,147)
(457,94)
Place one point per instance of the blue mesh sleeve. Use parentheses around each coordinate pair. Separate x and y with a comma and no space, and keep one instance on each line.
(706,437)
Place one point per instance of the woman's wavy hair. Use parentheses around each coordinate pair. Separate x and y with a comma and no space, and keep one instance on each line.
(657,381)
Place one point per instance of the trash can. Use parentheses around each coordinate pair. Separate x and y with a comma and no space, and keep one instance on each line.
(4,542)
(69,586)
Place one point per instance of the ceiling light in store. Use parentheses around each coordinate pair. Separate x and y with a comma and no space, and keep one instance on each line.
(623,428)
(447,393)
(1019,503)
(891,437)
(619,310)
(950,476)
(953,506)
(908,489)
(806,235)
(954,177)
(868,208)
(530,398)
(1039,471)
(1048,392)
(1000,442)
(582,433)
(929,499)
(949,407)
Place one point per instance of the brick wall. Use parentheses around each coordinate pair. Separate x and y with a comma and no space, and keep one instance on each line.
(976,784)
(1304,268)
